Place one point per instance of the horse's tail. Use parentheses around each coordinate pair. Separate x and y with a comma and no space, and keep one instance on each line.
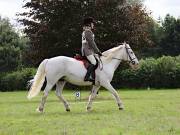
(37,82)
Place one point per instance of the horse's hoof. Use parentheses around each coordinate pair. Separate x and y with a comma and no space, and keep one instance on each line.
(121,108)
(39,110)
(88,109)
(67,110)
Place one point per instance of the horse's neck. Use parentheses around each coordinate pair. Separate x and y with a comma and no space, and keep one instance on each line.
(115,64)
(112,62)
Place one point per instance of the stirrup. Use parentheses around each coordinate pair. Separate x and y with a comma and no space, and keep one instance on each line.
(90,79)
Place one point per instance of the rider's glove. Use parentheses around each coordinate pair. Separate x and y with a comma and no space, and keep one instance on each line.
(99,53)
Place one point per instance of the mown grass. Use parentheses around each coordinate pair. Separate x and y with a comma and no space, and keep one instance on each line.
(155,112)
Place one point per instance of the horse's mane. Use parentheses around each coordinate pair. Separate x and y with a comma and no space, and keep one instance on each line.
(110,53)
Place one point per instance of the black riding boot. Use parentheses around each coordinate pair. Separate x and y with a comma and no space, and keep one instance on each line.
(88,77)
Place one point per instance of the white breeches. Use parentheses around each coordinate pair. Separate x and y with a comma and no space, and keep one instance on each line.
(92,59)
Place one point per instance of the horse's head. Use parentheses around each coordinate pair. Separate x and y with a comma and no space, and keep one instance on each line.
(130,57)
(122,52)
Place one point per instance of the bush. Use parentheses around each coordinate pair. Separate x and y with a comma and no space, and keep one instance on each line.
(16,80)
(163,72)
(146,72)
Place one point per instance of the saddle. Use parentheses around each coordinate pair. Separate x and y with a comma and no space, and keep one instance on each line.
(83,59)
(86,63)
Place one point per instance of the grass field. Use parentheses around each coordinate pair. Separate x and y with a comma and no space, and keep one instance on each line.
(154,112)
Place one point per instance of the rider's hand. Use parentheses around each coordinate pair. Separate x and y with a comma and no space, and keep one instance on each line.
(99,53)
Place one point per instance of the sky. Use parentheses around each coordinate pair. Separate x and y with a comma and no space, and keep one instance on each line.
(9,8)
(159,8)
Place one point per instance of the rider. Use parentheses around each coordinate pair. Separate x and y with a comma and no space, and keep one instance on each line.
(89,48)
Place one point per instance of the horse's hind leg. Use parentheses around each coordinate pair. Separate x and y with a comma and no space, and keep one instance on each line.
(92,96)
(59,88)
(45,94)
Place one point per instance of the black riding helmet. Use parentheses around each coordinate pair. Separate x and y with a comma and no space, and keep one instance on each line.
(87,21)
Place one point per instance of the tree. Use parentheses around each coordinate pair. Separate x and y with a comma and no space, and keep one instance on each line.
(165,35)
(10,46)
(132,2)
(170,42)
(55,26)
(156,33)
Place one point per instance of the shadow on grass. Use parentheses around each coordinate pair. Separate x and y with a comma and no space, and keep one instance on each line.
(75,113)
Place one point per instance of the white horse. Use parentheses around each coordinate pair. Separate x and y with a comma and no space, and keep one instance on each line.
(61,69)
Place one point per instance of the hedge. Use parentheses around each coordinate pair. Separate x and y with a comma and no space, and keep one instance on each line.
(16,80)
(163,72)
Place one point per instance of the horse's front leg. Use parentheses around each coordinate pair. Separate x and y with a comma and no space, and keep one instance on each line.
(92,96)
(108,86)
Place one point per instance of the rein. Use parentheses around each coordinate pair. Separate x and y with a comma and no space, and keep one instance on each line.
(130,61)
(113,57)
(107,56)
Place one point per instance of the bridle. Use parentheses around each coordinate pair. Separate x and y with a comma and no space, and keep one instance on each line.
(128,55)
(129,61)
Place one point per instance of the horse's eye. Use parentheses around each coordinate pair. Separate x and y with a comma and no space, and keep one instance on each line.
(133,62)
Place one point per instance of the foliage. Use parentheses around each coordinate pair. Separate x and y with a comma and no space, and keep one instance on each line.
(163,72)
(156,33)
(170,43)
(165,36)
(55,26)
(16,80)
(11,45)
(132,2)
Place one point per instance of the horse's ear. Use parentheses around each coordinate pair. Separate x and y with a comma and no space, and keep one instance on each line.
(127,45)
(124,43)
(120,46)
